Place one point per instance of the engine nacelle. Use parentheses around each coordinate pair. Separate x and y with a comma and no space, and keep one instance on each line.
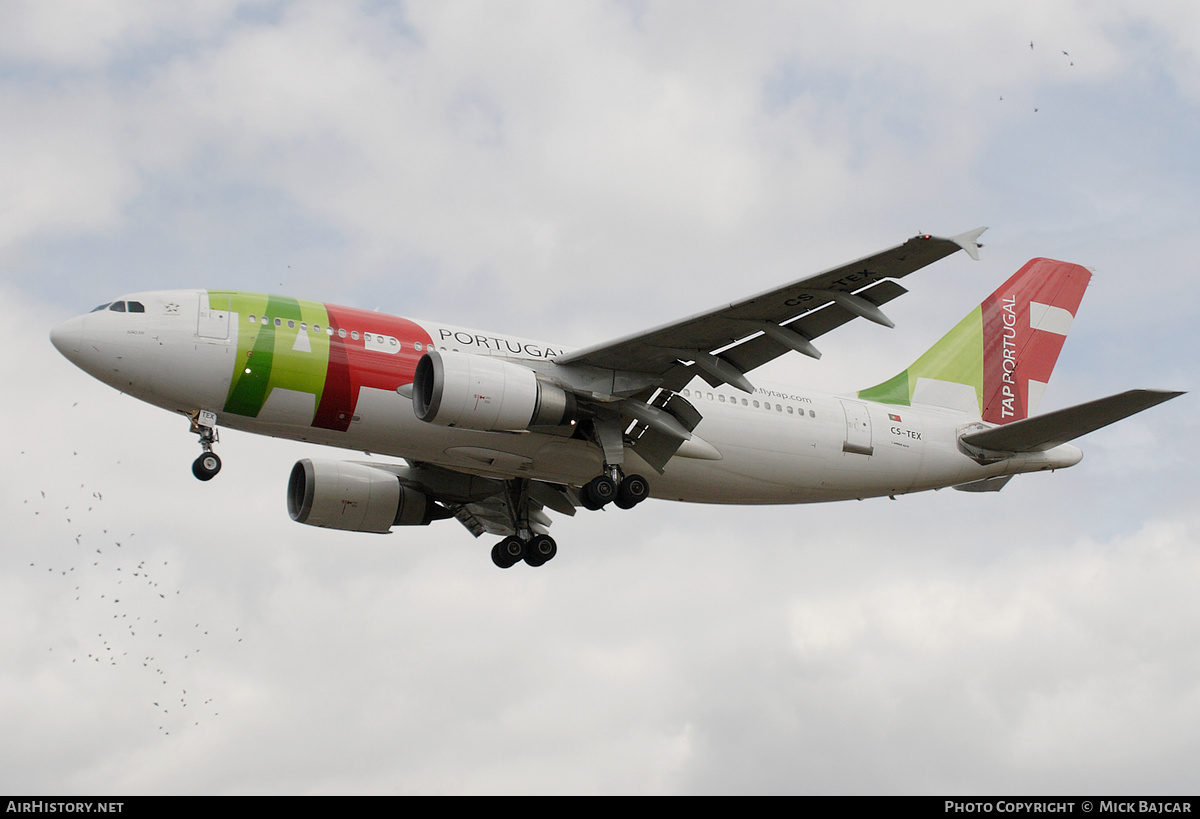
(358,498)
(478,392)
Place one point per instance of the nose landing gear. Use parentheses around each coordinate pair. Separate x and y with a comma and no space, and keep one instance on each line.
(204,424)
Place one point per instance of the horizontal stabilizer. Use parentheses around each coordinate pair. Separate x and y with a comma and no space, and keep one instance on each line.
(1047,431)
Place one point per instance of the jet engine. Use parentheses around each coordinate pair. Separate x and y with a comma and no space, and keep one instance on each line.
(454,389)
(355,497)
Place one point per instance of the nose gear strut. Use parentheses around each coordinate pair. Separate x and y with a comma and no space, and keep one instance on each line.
(204,424)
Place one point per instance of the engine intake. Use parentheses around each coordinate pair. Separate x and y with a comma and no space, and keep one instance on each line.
(454,389)
(354,497)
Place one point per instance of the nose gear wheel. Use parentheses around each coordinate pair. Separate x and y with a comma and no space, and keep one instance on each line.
(206,466)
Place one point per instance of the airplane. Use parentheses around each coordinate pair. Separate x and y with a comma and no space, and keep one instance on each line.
(495,430)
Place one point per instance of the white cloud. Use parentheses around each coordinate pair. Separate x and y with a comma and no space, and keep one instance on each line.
(56,36)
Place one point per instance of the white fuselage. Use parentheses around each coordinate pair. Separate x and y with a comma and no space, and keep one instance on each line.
(777,445)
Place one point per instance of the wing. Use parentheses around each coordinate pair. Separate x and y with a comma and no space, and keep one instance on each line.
(725,343)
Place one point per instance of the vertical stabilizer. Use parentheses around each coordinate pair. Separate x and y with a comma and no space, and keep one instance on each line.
(996,361)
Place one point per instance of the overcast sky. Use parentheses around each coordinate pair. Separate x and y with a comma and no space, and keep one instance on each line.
(571,172)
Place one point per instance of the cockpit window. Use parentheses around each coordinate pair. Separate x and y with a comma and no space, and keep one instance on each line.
(136,307)
(101,307)
(117,307)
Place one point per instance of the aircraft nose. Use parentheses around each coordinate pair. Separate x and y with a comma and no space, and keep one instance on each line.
(67,338)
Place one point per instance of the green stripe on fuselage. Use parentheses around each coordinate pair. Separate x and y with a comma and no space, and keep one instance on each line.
(273,354)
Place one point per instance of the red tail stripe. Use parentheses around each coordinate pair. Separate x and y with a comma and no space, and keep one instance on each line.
(1013,352)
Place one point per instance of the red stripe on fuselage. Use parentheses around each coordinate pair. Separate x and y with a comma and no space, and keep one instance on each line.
(352,365)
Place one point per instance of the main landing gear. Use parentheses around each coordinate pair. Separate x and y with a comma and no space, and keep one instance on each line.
(626,491)
(612,485)
(535,551)
(534,547)
(204,424)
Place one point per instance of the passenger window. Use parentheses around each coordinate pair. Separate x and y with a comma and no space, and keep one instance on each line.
(291,324)
(253,319)
(278,322)
(341,332)
(117,307)
(354,335)
(790,411)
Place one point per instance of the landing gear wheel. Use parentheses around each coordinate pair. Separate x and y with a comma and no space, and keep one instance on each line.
(633,490)
(206,466)
(540,549)
(598,492)
(508,551)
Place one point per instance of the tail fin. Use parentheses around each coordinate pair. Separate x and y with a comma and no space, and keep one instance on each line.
(997,360)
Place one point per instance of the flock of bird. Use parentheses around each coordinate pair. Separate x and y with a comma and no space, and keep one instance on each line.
(115,602)
(1065,55)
